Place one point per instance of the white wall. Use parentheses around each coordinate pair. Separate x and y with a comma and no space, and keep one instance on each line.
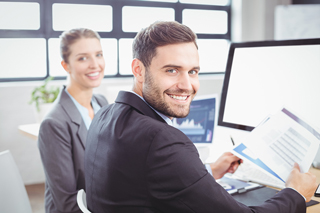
(297,22)
(253,20)
(14,111)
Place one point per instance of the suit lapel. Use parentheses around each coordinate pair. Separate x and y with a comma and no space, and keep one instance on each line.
(137,103)
(75,116)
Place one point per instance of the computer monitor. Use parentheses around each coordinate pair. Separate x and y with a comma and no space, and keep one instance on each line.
(200,123)
(263,77)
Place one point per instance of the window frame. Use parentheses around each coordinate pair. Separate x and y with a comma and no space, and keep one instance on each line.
(46,27)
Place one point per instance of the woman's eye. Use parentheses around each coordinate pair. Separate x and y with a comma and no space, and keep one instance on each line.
(99,55)
(82,58)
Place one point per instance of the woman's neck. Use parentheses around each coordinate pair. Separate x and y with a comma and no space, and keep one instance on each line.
(81,95)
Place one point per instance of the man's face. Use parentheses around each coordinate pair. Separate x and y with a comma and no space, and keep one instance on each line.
(171,81)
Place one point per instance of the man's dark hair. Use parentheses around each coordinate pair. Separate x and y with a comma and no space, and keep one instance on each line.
(159,34)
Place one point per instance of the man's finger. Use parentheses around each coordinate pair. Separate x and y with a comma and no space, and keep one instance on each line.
(234,158)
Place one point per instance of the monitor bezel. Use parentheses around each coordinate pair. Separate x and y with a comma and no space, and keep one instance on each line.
(233,46)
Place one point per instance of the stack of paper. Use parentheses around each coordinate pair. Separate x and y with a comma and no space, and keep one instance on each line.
(278,142)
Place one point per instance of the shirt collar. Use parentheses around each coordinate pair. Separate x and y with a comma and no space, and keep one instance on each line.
(84,111)
(168,120)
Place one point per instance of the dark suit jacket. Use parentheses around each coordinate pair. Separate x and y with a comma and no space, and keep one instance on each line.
(135,162)
(62,140)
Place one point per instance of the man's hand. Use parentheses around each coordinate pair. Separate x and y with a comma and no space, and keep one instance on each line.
(304,183)
(226,163)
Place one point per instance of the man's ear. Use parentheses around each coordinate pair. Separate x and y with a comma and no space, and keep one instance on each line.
(138,70)
(65,66)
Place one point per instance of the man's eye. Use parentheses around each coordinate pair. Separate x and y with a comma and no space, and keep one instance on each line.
(193,72)
(99,55)
(172,71)
(82,58)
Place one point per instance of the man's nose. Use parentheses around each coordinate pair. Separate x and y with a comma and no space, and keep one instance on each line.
(185,81)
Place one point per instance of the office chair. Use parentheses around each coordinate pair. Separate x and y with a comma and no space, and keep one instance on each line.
(13,194)
(82,202)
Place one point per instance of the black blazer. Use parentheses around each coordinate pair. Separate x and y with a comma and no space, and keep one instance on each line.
(62,140)
(136,162)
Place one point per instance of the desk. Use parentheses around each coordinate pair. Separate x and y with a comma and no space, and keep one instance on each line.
(30,130)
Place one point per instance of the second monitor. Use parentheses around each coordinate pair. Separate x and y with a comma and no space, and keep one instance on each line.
(200,123)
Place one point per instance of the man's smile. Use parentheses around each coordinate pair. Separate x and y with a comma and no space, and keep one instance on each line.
(179,97)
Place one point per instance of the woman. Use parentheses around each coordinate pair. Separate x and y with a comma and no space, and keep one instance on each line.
(63,132)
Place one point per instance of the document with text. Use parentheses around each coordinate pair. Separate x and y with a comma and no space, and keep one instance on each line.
(280,141)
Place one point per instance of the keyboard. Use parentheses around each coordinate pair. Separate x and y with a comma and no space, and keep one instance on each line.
(248,172)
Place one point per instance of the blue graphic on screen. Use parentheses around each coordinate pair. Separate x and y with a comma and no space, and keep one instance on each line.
(199,124)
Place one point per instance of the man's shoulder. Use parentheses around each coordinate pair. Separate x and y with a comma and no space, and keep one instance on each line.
(127,112)
(127,120)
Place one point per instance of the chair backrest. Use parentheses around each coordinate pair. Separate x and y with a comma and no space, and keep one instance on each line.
(82,202)
(13,194)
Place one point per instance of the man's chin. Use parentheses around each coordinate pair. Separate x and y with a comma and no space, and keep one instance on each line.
(179,113)
(180,116)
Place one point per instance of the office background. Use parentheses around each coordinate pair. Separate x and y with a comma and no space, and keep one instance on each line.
(251,20)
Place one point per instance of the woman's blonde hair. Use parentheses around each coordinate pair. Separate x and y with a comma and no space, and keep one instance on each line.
(69,37)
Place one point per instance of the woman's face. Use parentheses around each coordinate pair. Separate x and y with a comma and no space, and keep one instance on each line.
(86,63)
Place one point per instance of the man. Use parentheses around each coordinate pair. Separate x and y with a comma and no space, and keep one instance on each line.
(135,161)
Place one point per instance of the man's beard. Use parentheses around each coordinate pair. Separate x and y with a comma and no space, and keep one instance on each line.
(153,96)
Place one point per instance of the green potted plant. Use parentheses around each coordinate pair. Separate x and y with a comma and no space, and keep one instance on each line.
(43,97)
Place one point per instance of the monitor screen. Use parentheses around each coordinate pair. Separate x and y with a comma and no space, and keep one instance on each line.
(200,122)
(263,77)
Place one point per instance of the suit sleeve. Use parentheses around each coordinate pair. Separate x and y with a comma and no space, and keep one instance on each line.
(178,181)
(55,149)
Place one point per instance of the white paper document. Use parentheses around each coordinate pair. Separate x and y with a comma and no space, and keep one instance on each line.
(278,142)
